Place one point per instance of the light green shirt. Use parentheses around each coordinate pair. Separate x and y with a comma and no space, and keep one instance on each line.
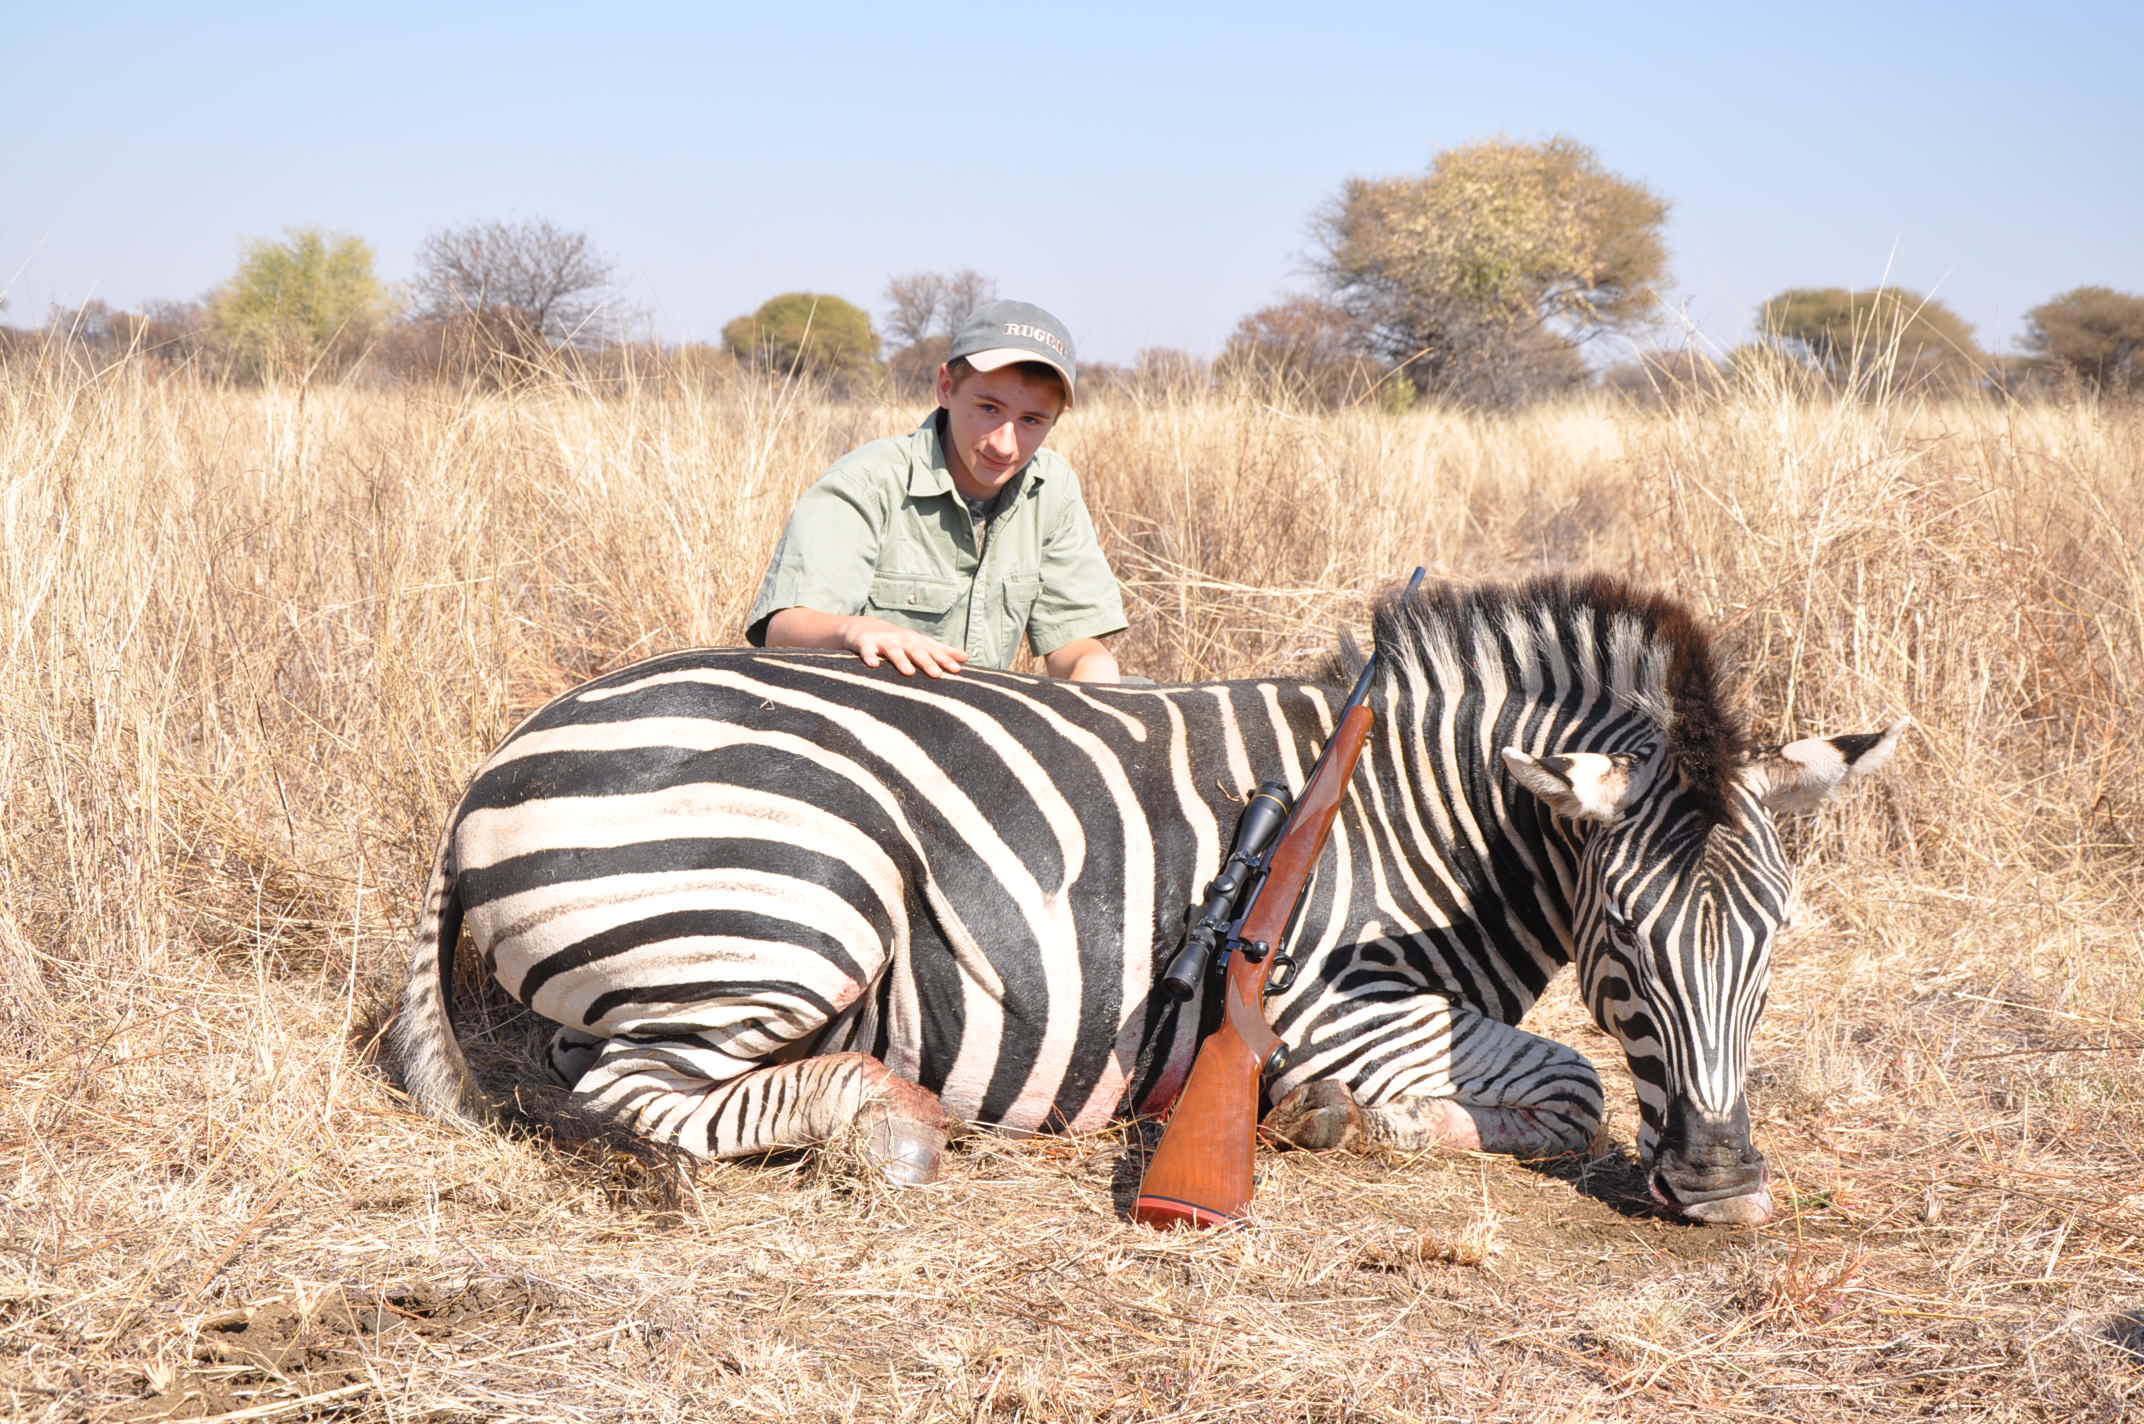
(884,532)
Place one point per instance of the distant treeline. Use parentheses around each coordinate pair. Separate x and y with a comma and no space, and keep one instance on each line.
(1485,281)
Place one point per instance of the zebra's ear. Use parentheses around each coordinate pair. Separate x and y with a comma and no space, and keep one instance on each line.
(1801,776)
(1583,786)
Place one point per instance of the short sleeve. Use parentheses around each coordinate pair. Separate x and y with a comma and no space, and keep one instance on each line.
(827,554)
(1079,597)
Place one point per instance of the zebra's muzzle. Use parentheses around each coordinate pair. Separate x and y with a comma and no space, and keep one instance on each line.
(1747,1203)
(1707,1169)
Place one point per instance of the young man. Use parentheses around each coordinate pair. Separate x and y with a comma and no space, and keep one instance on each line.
(946,545)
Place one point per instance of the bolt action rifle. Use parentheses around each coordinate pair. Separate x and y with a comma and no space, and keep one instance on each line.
(1200,1175)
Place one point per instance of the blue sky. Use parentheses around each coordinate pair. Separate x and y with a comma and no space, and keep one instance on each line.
(1146,171)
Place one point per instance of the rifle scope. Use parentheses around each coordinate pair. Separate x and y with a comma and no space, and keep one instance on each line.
(1263,816)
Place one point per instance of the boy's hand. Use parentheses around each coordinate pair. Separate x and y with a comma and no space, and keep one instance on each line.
(873,638)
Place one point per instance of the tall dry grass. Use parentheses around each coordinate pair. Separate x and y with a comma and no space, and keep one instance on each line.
(255,638)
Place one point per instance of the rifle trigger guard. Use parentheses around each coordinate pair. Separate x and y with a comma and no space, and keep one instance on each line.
(1283,973)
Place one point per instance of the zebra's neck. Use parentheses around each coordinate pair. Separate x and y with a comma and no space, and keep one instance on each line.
(1445,872)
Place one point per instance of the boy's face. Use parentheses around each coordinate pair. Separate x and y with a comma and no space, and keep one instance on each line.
(995,422)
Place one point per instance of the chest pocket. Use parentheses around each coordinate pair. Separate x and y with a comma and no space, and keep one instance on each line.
(918,601)
(1021,591)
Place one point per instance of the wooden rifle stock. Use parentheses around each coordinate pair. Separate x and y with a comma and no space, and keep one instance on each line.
(1200,1175)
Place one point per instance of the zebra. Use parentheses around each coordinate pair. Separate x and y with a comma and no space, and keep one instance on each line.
(776,898)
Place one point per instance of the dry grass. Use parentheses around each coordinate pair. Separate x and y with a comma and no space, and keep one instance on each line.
(253,640)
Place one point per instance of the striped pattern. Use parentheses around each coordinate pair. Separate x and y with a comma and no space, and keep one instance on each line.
(773,894)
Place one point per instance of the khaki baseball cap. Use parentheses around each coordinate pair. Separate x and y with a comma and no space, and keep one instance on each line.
(1004,333)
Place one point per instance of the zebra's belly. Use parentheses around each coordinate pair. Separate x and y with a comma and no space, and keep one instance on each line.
(770,930)
(617,914)
(698,951)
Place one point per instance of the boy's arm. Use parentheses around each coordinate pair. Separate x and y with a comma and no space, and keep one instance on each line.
(820,576)
(1083,660)
(869,638)
(1079,603)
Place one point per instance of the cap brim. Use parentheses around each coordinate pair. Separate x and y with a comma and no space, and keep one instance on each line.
(998,357)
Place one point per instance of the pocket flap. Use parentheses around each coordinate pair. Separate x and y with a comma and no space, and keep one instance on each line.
(919,595)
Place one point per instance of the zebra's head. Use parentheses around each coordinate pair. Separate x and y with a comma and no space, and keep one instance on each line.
(1681,886)
(1636,812)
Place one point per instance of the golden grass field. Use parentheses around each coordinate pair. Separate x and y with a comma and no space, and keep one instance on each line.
(254,639)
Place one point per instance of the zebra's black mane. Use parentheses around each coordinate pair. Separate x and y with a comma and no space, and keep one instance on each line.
(1703,737)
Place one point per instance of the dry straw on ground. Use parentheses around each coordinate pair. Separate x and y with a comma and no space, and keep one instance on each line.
(253,640)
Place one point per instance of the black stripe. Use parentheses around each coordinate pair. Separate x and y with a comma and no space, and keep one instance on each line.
(570,864)
(780,996)
(680,924)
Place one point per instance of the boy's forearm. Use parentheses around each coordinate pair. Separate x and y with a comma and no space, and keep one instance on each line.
(872,639)
(1083,660)
(807,628)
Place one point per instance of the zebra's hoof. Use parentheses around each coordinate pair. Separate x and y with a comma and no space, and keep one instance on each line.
(571,1054)
(1318,1116)
(906,1153)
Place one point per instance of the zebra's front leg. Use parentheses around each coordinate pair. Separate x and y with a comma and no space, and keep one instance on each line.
(714,1105)
(1470,1083)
